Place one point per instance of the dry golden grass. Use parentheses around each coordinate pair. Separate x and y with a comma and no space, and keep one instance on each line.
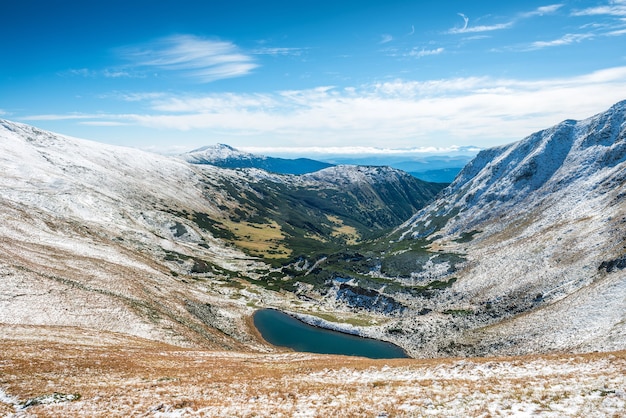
(260,239)
(120,376)
(346,232)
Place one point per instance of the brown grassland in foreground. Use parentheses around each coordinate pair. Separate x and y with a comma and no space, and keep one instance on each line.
(66,372)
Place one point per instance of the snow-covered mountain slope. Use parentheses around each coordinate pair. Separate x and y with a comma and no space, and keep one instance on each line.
(89,237)
(225,156)
(542,225)
(345,175)
(111,238)
(216,153)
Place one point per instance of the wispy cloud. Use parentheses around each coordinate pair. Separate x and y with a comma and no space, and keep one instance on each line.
(613,24)
(612,15)
(385,38)
(419,53)
(199,58)
(566,39)
(618,32)
(542,11)
(476,29)
(69,116)
(467,28)
(136,97)
(612,8)
(107,73)
(277,51)
(105,123)
(415,52)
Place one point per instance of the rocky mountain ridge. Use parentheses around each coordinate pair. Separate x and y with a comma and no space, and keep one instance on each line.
(541,224)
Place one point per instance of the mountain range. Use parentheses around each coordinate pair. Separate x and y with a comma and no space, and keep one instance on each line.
(431,168)
(434,168)
(525,252)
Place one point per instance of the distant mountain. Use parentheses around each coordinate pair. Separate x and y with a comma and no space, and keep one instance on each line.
(225,156)
(433,168)
(442,175)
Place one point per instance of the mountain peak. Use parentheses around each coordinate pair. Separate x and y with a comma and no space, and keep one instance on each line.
(213,153)
(225,156)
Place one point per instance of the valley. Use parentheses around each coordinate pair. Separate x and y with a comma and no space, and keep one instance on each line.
(104,247)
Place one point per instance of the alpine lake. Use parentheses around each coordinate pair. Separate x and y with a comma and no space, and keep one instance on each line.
(280,329)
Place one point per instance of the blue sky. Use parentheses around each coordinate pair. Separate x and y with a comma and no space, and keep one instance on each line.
(309,76)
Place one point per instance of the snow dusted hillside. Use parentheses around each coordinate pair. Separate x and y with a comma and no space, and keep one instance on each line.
(354,174)
(524,252)
(212,154)
(572,157)
(542,224)
(111,238)
(225,156)
(91,236)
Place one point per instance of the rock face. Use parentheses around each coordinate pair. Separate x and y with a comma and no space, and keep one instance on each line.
(542,224)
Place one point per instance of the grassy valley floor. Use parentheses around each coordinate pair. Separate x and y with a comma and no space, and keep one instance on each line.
(65,372)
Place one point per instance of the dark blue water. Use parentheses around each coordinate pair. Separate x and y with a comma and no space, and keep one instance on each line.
(283,330)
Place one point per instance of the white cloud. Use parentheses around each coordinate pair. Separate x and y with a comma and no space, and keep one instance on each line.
(613,8)
(479,111)
(278,51)
(357,150)
(138,97)
(543,10)
(486,28)
(203,59)
(419,53)
(618,32)
(213,104)
(566,39)
(103,123)
(613,14)
(108,73)
(67,116)
(476,29)
(539,11)
(465,21)
(81,72)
